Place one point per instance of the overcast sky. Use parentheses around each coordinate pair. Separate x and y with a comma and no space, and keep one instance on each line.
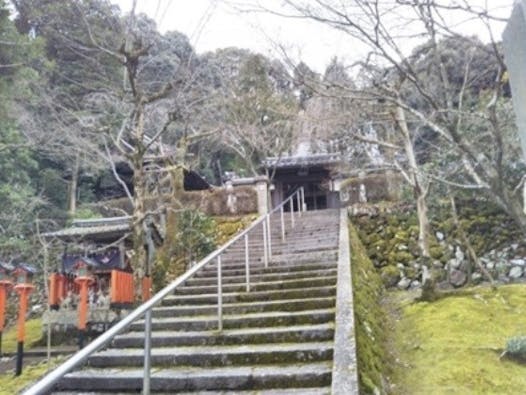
(212,24)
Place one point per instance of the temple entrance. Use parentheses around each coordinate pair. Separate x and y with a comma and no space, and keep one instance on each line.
(315,196)
(315,178)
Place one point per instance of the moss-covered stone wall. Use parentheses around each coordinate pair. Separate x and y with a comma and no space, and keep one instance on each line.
(240,200)
(377,187)
(228,226)
(370,319)
(391,240)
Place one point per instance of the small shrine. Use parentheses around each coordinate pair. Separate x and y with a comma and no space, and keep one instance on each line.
(94,282)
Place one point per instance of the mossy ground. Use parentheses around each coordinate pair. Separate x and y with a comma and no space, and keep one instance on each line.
(453,345)
(33,335)
(9,384)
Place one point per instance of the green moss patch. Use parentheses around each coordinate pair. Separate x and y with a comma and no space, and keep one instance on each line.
(453,345)
(227,227)
(370,318)
(9,384)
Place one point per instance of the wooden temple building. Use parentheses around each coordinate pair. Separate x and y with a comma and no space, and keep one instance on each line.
(316,173)
(98,250)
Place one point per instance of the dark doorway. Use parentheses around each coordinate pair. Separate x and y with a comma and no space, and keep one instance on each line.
(315,181)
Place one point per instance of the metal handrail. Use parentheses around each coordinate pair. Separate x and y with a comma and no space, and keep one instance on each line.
(47,382)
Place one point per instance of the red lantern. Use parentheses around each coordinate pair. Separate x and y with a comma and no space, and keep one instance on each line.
(24,278)
(5,286)
(83,280)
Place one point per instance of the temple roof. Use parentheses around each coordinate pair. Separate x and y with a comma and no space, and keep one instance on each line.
(302,161)
(102,230)
(97,229)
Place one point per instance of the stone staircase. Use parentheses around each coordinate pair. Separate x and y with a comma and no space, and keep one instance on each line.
(278,338)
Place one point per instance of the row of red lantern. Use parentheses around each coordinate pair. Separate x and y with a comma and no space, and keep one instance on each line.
(23,278)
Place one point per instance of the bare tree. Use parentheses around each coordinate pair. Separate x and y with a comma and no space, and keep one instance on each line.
(129,99)
(456,98)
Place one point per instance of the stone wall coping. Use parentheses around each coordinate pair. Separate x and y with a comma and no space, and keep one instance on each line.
(345,367)
(249,180)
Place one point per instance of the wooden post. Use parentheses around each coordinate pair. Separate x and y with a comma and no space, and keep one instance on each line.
(23,291)
(146,288)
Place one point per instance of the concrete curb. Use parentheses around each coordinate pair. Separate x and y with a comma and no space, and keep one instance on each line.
(345,368)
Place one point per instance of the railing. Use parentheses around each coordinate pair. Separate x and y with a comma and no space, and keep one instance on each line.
(47,382)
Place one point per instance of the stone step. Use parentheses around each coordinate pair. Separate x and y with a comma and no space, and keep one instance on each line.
(273,268)
(247,307)
(255,277)
(301,226)
(277,391)
(320,236)
(234,297)
(282,391)
(290,240)
(277,339)
(278,263)
(260,286)
(250,320)
(259,255)
(294,333)
(299,258)
(211,356)
(317,233)
(290,249)
(281,376)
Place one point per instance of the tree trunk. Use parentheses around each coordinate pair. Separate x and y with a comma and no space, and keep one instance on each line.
(512,206)
(419,192)
(139,208)
(73,186)
(423,224)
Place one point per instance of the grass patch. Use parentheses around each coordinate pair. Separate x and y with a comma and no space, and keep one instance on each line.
(33,335)
(452,346)
(9,384)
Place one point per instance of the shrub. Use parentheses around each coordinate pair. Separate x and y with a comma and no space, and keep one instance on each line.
(516,348)
(190,237)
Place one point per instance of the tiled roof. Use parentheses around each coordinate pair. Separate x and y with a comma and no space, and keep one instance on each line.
(90,227)
(302,161)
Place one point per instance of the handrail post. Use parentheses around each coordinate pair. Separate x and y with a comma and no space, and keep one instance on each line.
(147,352)
(247,265)
(269,237)
(282,223)
(265,244)
(298,193)
(219,295)
(291,203)
(303,199)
